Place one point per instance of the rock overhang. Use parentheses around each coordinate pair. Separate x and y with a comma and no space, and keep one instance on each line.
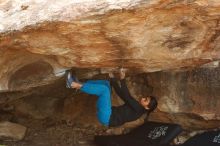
(145,36)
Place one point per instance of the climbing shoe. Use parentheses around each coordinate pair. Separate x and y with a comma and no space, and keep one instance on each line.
(69,79)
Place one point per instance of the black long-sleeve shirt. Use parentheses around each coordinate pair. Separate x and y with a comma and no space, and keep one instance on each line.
(129,111)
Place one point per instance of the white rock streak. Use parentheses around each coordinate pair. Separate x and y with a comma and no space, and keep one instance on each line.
(16,14)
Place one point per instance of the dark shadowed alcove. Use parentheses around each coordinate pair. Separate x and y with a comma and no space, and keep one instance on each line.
(30,75)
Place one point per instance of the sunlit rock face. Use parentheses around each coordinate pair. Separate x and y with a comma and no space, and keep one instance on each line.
(39,40)
(145,36)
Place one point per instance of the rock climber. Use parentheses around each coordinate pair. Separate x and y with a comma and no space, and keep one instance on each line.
(107,114)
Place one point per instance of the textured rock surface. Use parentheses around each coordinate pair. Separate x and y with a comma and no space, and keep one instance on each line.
(190,97)
(17,14)
(143,35)
(195,91)
(39,103)
(12,131)
(39,40)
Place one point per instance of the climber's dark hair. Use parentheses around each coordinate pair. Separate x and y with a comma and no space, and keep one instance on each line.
(152,106)
(153,103)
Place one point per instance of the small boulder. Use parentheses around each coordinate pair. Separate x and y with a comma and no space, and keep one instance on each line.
(12,130)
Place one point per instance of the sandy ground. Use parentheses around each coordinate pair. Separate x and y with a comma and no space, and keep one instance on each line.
(52,133)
